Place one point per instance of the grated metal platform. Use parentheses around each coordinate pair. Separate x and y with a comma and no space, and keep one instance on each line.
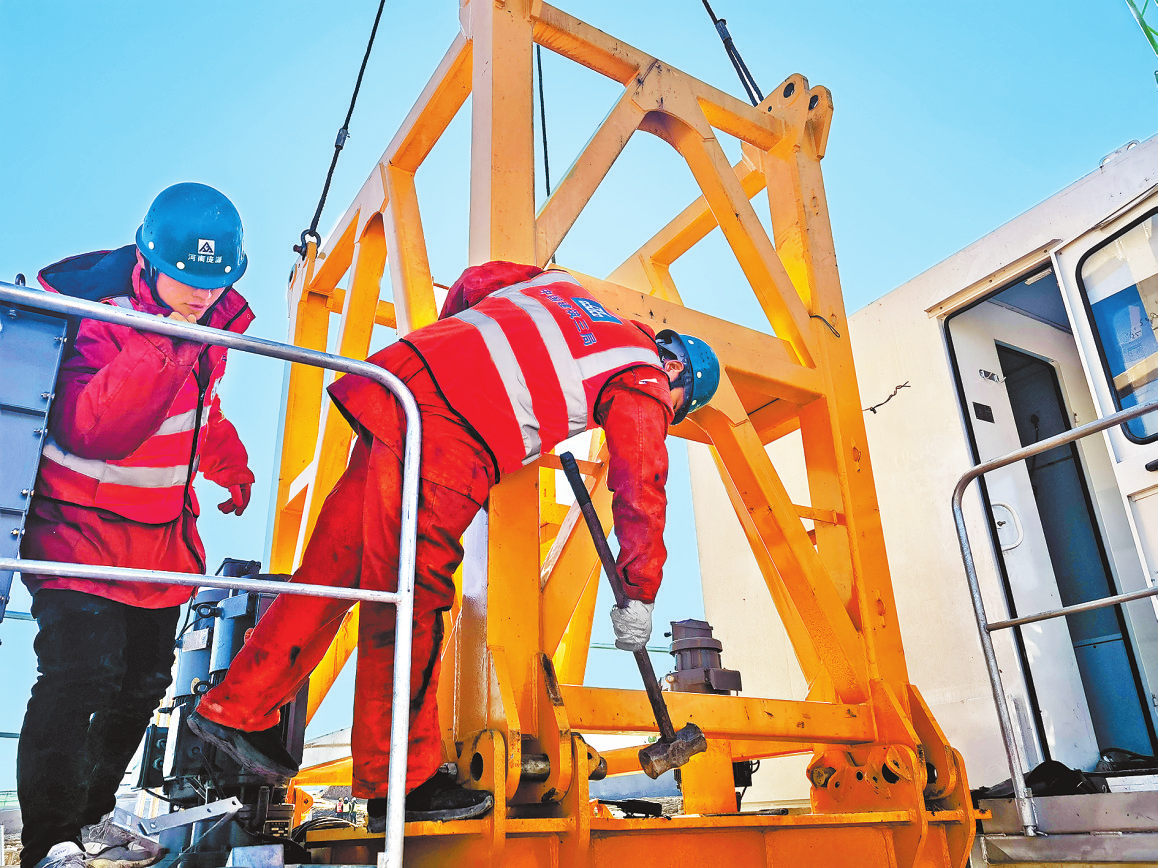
(1088,830)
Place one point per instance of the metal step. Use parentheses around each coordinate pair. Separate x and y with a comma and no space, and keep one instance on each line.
(1101,829)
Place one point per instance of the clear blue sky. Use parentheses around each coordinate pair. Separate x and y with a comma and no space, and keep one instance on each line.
(950,119)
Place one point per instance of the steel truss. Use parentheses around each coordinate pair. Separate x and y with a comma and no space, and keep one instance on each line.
(887,788)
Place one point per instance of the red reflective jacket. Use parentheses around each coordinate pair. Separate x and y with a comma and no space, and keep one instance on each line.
(630,400)
(135,416)
(541,349)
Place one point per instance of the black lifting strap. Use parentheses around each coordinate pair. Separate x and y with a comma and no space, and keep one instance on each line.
(746,78)
(543,126)
(339,143)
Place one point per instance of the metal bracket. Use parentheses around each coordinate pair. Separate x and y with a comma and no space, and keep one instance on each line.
(151,828)
(258,856)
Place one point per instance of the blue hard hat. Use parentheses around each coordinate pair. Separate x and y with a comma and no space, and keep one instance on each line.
(701,374)
(192,234)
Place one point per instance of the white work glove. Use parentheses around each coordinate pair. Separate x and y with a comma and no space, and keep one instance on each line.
(632,625)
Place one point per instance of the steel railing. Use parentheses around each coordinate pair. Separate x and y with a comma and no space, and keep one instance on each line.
(403,599)
(1017,769)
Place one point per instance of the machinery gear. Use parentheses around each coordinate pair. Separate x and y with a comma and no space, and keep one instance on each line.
(701,374)
(192,233)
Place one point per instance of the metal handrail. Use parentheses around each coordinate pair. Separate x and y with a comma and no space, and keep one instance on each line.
(403,599)
(1017,770)
(193,580)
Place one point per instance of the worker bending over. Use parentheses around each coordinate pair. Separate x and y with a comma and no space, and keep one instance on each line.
(519,360)
(134,418)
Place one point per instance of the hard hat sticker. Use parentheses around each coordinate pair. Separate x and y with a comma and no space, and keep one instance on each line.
(205,246)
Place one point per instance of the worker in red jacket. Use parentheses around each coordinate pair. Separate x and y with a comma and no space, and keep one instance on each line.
(135,416)
(519,360)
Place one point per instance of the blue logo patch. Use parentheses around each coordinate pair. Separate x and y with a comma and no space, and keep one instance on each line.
(595,310)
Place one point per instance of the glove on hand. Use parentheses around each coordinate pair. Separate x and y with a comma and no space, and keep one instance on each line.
(632,625)
(238,498)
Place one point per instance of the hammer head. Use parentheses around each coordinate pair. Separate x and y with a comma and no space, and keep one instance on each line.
(662,756)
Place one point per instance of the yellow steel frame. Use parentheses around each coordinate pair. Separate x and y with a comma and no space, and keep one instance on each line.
(887,787)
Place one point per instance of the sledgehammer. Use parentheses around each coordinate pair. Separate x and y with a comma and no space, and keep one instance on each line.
(673,749)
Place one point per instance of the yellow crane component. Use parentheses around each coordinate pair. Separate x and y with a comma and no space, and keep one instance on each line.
(887,788)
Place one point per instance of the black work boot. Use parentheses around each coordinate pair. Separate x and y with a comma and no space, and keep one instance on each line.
(439,799)
(259,752)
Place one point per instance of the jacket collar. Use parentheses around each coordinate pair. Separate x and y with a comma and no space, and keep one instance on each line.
(107,274)
(231,312)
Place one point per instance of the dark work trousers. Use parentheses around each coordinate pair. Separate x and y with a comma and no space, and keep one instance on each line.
(104,667)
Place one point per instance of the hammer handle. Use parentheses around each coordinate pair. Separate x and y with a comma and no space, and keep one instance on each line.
(642,660)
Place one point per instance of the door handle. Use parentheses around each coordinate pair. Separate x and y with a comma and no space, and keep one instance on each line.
(1001,522)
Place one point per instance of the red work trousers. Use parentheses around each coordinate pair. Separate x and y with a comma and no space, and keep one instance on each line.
(355,545)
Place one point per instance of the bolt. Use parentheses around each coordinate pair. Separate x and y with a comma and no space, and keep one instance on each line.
(821,775)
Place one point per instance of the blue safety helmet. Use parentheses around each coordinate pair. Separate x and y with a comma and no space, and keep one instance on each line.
(192,234)
(701,373)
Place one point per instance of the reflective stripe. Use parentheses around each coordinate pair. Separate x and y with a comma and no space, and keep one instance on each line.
(512,378)
(609,360)
(566,370)
(544,279)
(103,471)
(579,372)
(571,373)
(179,423)
(121,301)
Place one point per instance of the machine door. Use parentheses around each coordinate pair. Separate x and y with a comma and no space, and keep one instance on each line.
(1110,279)
(1117,702)
(1021,381)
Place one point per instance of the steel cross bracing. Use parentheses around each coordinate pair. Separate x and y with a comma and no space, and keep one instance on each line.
(887,788)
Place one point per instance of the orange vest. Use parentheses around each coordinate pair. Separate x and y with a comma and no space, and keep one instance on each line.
(148,485)
(525,365)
